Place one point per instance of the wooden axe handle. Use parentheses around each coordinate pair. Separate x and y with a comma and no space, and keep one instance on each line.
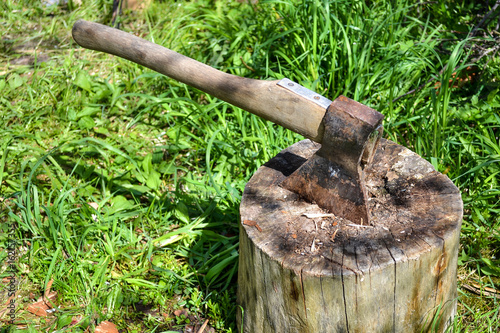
(265,99)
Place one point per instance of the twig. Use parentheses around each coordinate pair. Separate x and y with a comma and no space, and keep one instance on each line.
(202,328)
(480,290)
(420,87)
(493,56)
(245,64)
(316,215)
(482,51)
(486,17)
(334,234)
(473,61)
(493,49)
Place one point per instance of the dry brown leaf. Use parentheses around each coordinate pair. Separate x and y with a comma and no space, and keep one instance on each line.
(44,303)
(5,308)
(50,299)
(181,312)
(10,298)
(75,320)
(94,205)
(106,327)
(49,286)
(50,296)
(38,309)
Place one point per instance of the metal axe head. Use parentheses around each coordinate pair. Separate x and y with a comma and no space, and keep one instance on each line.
(334,176)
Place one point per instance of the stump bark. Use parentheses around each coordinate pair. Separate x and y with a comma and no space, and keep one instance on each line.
(304,270)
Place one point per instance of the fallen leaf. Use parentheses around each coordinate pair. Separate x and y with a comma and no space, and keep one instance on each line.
(38,309)
(94,205)
(106,327)
(5,308)
(75,320)
(44,303)
(181,312)
(49,286)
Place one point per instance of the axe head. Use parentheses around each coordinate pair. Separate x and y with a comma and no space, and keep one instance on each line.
(334,177)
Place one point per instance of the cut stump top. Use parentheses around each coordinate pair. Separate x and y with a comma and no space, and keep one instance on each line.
(413,209)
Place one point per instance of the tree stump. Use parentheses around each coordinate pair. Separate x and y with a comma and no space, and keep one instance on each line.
(304,270)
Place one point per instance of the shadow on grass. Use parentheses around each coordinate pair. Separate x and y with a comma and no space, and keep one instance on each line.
(136,254)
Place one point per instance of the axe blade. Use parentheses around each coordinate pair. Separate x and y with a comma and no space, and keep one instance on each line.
(334,176)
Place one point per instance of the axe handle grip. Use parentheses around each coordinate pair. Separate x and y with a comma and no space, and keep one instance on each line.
(263,98)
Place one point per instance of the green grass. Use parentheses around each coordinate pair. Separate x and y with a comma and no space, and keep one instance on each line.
(125,185)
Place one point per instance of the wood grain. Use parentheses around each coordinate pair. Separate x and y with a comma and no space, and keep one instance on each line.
(325,274)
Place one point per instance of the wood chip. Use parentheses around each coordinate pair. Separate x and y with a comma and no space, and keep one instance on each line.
(5,308)
(252,224)
(317,215)
(358,225)
(106,327)
(333,236)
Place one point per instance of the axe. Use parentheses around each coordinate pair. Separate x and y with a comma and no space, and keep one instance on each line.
(347,130)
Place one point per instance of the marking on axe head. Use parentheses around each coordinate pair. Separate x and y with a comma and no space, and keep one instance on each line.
(334,176)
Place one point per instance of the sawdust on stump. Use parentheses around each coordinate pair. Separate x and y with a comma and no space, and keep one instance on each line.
(305,267)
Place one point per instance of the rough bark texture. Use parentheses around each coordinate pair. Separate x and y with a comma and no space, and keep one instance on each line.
(303,273)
